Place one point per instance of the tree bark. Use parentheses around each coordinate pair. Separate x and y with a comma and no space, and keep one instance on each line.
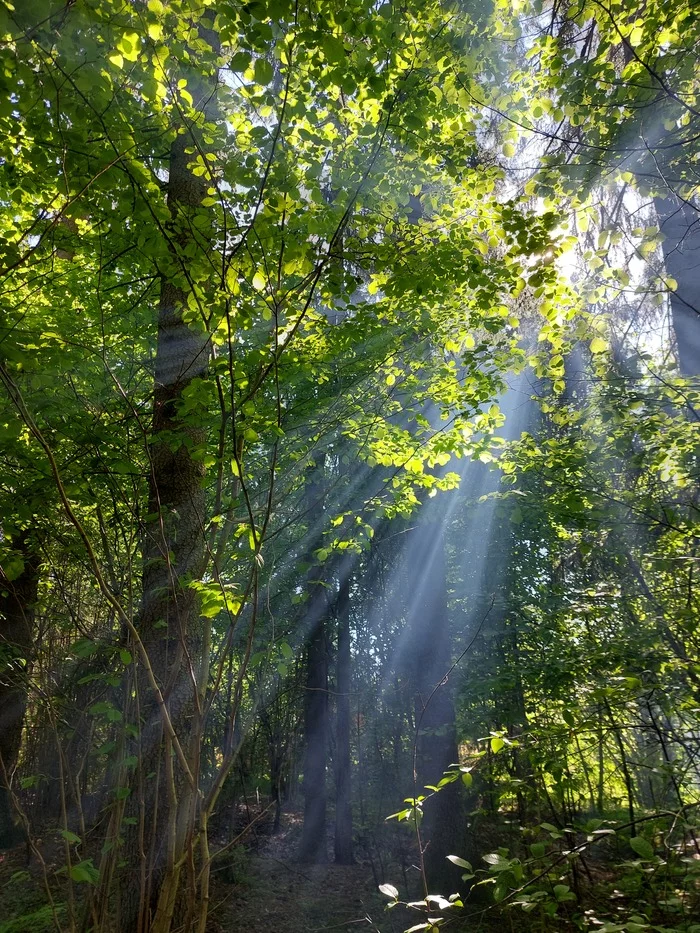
(18,596)
(679,221)
(163,799)
(312,847)
(436,740)
(343,799)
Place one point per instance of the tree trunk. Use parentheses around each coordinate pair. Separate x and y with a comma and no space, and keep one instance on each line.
(18,595)
(436,741)
(312,847)
(343,800)
(276,783)
(680,222)
(163,797)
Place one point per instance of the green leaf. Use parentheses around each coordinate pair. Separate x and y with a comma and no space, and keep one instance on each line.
(85,872)
(495,858)
(440,902)
(463,863)
(389,891)
(263,71)
(70,837)
(129,45)
(240,62)
(643,848)
(12,567)
(104,708)
(333,49)
(598,345)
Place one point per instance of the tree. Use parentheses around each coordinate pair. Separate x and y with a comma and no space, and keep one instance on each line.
(312,847)
(343,847)
(263,242)
(19,586)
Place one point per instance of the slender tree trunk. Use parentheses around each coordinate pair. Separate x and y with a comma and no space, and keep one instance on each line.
(601,762)
(313,847)
(276,782)
(343,800)
(18,595)
(277,746)
(629,784)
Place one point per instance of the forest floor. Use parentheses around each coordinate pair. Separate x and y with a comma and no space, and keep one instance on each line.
(258,886)
(271,891)
(262,888)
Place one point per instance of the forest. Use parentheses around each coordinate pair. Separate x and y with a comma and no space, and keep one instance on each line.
(349,466)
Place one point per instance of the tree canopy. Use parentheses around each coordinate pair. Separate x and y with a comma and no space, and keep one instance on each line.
(349,366)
